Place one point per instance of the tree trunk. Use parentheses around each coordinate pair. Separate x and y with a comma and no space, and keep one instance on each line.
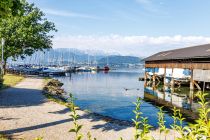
(4,66)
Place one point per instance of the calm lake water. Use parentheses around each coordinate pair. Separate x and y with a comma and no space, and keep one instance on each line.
(111,94)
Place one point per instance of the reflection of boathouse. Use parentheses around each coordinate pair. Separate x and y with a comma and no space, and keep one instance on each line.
(172,76)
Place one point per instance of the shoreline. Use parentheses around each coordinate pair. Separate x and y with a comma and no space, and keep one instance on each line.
(60,99)
(32,115)
(105,118)
(119,121)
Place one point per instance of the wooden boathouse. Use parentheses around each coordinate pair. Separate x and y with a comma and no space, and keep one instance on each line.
(195,59)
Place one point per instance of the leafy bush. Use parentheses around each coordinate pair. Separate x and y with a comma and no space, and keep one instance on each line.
(75,116)
(201,129)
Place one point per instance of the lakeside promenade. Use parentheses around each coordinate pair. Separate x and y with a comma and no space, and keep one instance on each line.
(26,113)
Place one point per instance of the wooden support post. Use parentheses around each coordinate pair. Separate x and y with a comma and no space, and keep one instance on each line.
(192,86)
(191,96)
(145,79)
(172,81)
(164,83)
(204,85)
(153,79)
(191,81)
(145,76)
(164,78)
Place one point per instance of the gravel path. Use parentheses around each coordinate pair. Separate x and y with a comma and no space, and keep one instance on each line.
(26,113)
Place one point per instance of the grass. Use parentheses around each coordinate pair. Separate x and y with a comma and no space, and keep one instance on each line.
(47,80)
(51,98)
(3,137)
(11,80)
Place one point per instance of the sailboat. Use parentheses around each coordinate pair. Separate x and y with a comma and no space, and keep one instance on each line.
(94,68)
(106,68)
(85,68)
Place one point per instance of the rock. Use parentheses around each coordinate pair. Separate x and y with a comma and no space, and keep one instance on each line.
(55,83)
(53,87)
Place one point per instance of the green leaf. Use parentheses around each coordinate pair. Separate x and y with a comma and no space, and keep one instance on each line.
(79,137)
(72,130)
(78,128)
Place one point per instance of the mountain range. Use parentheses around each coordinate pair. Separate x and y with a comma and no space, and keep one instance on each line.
(72,55)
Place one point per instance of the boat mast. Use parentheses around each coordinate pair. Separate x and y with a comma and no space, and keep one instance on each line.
(69,58)
(88,60)
(107,60)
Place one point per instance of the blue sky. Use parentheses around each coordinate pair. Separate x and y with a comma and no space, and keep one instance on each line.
(128,27)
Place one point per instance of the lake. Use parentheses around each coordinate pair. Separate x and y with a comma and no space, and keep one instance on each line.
(111,94)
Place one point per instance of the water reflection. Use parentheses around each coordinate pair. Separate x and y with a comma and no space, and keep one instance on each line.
(112,95)
(165,95)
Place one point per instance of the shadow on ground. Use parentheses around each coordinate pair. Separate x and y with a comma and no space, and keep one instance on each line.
(109,123)
(6,119)
(20,97)
(19,130)
(63,111)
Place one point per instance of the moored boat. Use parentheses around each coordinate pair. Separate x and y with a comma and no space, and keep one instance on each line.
(106,68)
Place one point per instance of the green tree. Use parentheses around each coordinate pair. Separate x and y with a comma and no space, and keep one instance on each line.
(10,7)
(25,33)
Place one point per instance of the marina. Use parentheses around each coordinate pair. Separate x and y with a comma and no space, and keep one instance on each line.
(164,80)
(104,70)
(50,71)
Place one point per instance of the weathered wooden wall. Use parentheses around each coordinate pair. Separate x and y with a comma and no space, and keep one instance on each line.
(204,66)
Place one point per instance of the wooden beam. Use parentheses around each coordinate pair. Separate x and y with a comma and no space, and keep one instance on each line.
(164,78)
(178,65)
(172,81)
(145,79)
(191,81)
(153,76)
(196,84)
(191,96)
(145,76)
(164,83)
(204,85)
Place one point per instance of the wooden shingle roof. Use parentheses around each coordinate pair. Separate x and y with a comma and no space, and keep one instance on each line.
(201,51)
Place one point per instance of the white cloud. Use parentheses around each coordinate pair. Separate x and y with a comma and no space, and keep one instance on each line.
(153,7)
(148,5)
(144,1)
(129,45)
(67,14)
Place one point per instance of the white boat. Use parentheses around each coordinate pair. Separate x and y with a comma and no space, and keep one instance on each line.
(84,69)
